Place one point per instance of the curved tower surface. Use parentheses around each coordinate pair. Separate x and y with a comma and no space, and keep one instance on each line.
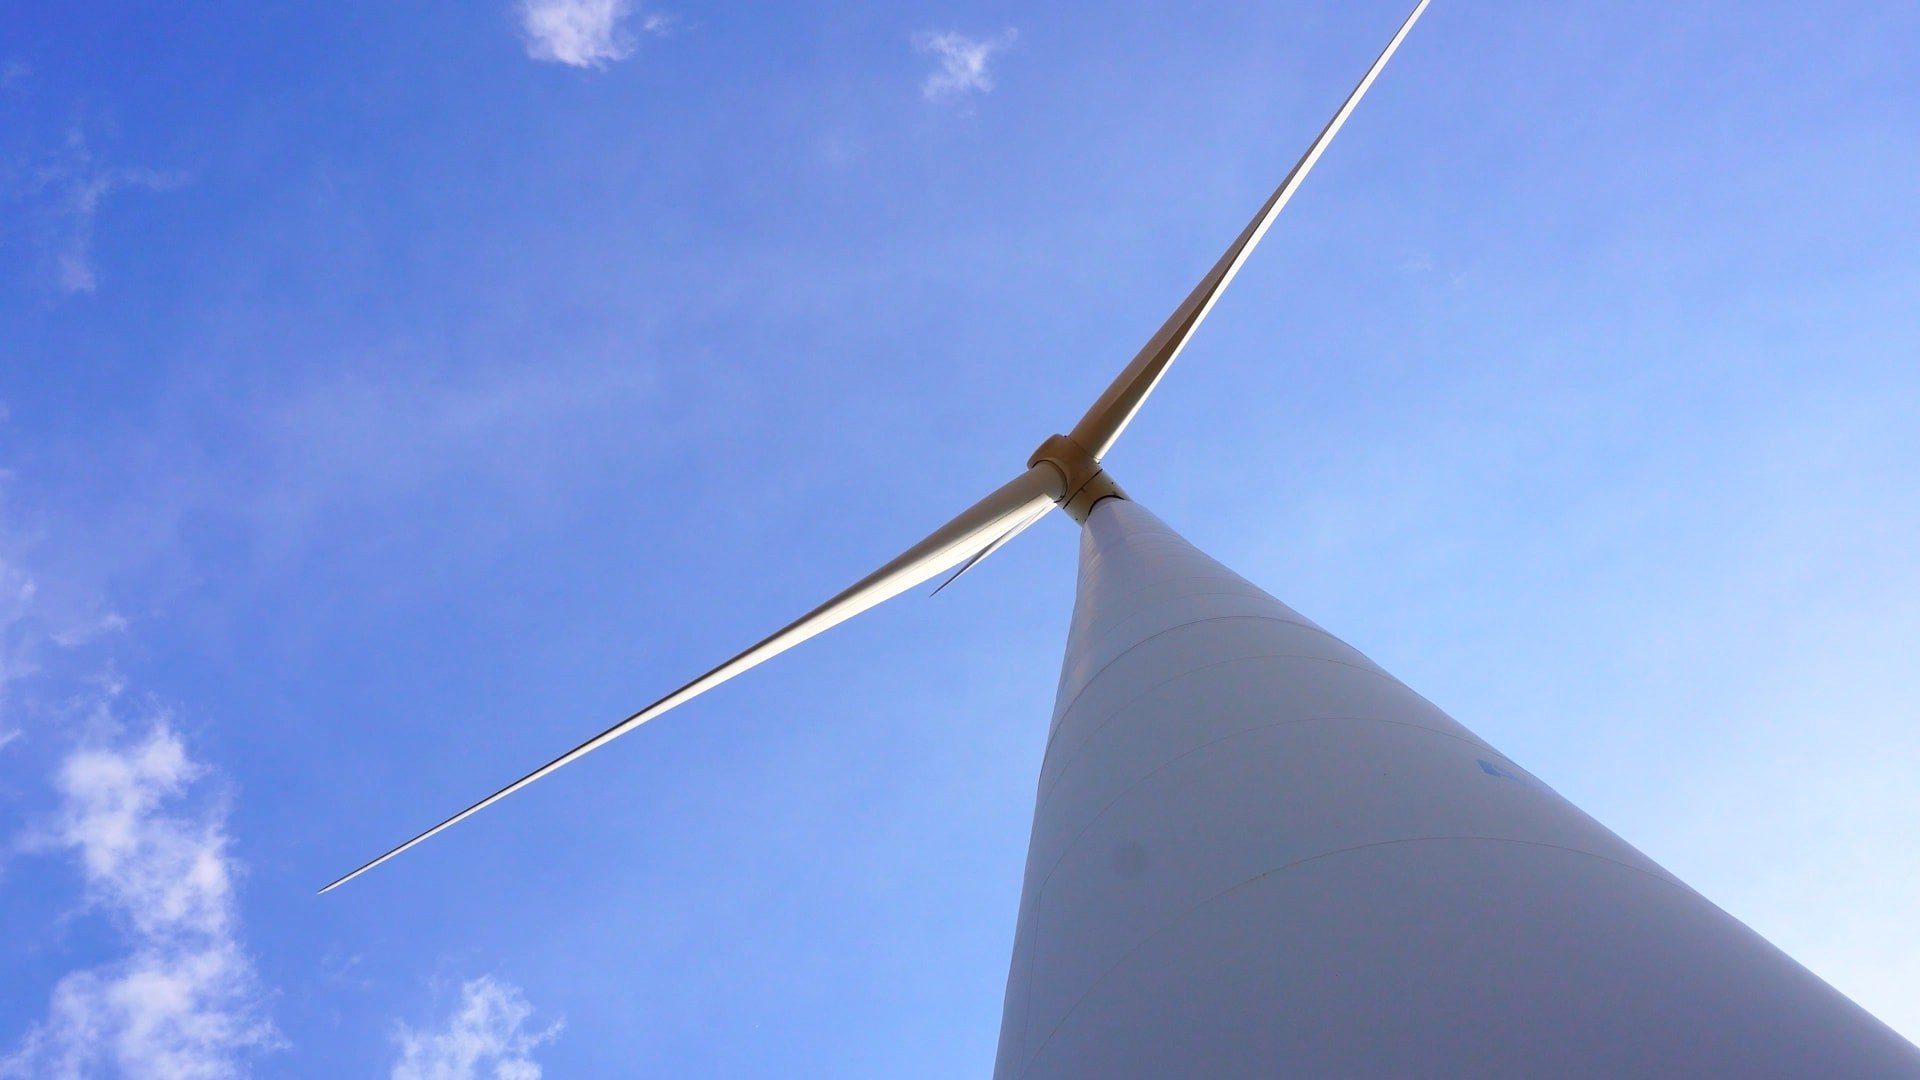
(1256,853)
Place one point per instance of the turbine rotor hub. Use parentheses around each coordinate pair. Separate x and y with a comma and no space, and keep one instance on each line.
(1086,482)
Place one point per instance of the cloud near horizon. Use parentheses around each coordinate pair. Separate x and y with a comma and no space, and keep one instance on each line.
(962,62)
(584,33)
(485,1037)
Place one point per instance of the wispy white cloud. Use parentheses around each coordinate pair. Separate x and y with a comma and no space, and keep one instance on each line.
(17,660)
(64,193)
(99,626)
(17,591)
(486,1036)
(372,434)
(962,62)
(33,625)
(585,33)
(185,1001)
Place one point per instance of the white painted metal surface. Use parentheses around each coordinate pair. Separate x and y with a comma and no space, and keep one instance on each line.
(1255,853)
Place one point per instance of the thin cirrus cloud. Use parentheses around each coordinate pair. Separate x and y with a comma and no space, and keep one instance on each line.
(962,65)
(31,626)
(64,194)
(585,33)
(17,642)
(486,1036)
(185,1000)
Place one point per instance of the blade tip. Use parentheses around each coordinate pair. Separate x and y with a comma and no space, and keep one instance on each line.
(342,880)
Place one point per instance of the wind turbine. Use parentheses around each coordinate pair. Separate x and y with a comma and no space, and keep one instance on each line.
(1255,851)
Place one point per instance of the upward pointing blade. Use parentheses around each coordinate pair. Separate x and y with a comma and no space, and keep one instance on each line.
(1109,416)
(1018,501)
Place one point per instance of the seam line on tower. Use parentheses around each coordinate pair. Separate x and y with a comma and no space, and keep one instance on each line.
(1270,725)
(1254,594)
(1060,717)
(1157,634)
(1266,726)
(1061,721)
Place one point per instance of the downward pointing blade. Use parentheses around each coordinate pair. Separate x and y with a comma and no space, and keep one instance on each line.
(1016,529)
(1110,415)
(1021,500)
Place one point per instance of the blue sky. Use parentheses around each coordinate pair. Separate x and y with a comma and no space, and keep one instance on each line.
(394,394)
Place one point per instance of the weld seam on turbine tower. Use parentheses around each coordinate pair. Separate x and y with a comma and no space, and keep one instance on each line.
(1068,708)
(1067,761)
(1067,848)
(1047,755)
(1205,622)
(1183,911)
(1256,729)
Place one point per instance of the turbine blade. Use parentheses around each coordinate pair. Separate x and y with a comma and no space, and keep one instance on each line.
(1110,415)
(978,526)
(1018,528)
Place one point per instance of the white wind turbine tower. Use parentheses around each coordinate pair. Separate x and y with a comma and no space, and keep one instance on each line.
(1255,852)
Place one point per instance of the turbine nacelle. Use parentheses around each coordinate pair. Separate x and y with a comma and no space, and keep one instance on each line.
(1085,482)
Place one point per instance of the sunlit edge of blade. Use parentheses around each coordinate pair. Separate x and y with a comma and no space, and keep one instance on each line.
(981,556)
(1116,407)
(1027,495)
